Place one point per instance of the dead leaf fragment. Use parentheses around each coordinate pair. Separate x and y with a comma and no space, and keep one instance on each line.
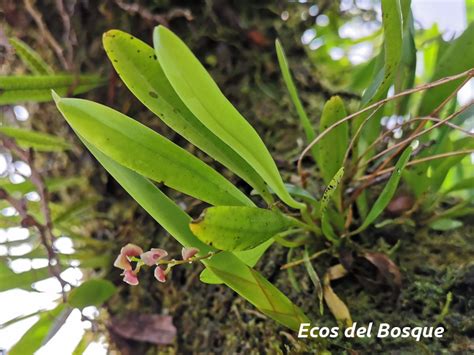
(152,328)
(337,307)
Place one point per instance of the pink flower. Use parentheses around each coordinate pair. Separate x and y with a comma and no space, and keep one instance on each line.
(160,274)
(130,277)
(188,253)
(128,251)
(151,257)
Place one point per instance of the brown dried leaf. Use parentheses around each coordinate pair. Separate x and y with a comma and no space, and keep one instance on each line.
(152,328)
(387,268)
(337,307)
(400,204)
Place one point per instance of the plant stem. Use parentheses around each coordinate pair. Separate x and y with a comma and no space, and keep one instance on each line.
(301,261)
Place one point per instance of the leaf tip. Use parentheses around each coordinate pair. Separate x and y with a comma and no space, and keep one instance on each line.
(55,96)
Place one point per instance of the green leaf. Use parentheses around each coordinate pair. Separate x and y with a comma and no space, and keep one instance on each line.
(384,77)
(239,228)
(305,195)
(20,318)
(249,257)
(140,70)
(30,57)
(141,149)
(92,292)
(37,140)
(256,289)
(407,69)
(205,100)
(290,85)
(87,338)
(38,334)
(225,265)
(387,193)
(441,169)
(464,184)
(393,47)
(37,88)
(10,279)
(291,272)
(445,224)
(52,184)
(333,146)
(458,57)
(314,279)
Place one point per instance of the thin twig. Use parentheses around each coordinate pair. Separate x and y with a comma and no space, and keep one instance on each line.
(356,135)
(301,261)
(418,161)
(38,18)
(401,145)
(388,132)
(163,19)
(412,137)
(417,131)
(469,73)
(47,236)
(69,35)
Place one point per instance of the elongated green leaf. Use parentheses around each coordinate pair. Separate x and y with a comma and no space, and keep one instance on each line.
(87,338)
(37,140)
(10,280)
(52,184)
(313,275)
(290,85)
(20,318)
(239,228)
(291,273)
(256,289)
(387,193)
(205,100)
(37,88)
(298,191)
(441,170)
(139,148)
(249,257)
(93,292)
(405,77)
(37,335)
(457,58)
(393,44)
(333,146)
(384,78)
(225,265)
(464,184)
(445,224)
(31,58)
(140,70)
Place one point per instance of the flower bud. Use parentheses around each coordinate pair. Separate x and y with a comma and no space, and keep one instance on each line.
(160,274)
(188,253)
(130,277)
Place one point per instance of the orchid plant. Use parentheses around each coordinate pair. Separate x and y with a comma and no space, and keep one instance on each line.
(232,235)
